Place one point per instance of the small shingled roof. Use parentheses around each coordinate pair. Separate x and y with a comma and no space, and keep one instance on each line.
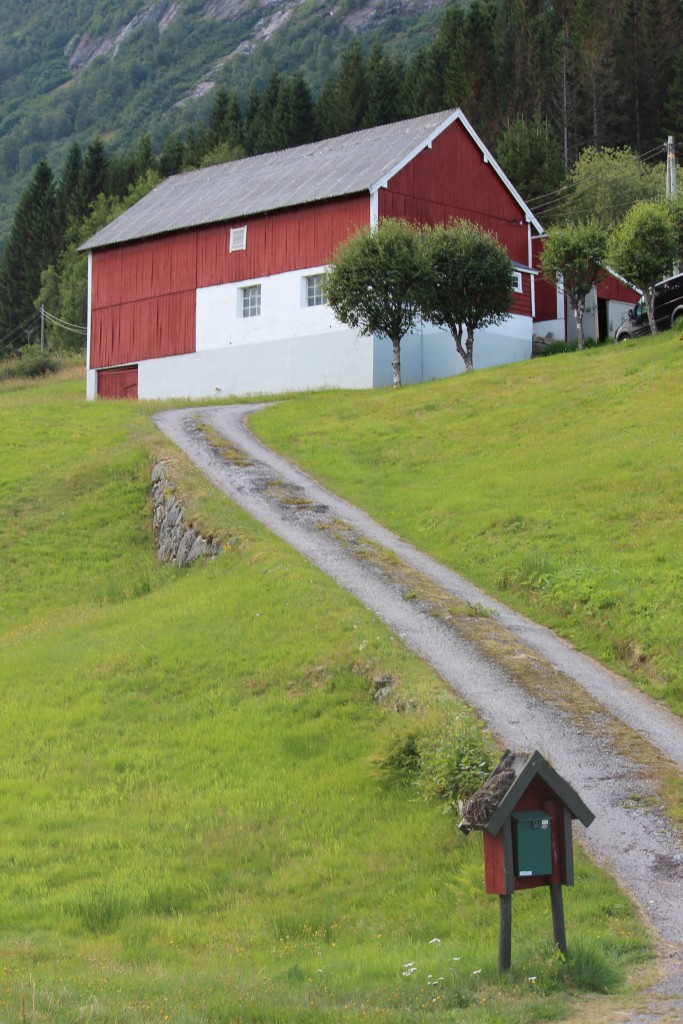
(494,802)
(345,165)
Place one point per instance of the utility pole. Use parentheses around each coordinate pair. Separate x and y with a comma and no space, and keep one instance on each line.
(42,328)
(671,180)
(670,168)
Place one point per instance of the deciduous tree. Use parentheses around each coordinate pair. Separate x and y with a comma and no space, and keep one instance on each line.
(468,282)
(576,253)
(373,281)
(643,249)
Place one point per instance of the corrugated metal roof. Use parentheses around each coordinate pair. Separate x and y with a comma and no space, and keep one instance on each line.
(334,167)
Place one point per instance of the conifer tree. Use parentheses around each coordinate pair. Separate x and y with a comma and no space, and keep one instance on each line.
(68,192)
(352,89)
(172,155)
(94,176)
(30,248)
(383,88)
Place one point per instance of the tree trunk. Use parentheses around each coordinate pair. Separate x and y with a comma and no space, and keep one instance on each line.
(465,352)
(649,296)
(396,361)
(578,304)
(469,359)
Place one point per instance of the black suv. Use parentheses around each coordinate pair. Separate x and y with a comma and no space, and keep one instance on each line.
(668,308)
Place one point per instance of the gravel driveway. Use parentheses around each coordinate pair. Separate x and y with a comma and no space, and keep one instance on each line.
(531,689)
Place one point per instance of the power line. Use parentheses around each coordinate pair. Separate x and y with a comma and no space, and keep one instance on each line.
(74,328)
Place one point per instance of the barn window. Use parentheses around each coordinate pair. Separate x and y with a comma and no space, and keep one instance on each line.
(238,238)
(251,300)
(516,281)
(314,293)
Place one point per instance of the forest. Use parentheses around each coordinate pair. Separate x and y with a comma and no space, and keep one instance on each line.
(575,98)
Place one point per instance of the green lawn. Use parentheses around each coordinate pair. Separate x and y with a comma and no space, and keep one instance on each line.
(554,484)
(192,829)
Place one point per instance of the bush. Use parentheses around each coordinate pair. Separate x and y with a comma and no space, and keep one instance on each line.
(398,760)
(455,759)
(446,759)
(31,362)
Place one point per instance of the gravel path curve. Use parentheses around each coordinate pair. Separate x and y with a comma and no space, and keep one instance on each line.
(532,689)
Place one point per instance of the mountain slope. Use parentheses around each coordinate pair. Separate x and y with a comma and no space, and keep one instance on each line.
(73,70)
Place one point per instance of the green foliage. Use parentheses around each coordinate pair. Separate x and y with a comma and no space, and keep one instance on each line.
(446,756)
(31,362)
(30,247)
(397,759)
(467,283)
(643,249)
(529,152)
(455,758)
(603,185)
(575,252)
(373,280)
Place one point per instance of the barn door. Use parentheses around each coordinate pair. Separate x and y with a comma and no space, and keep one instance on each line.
(121,382)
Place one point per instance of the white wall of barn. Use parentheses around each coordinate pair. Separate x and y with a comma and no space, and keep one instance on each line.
(291,346)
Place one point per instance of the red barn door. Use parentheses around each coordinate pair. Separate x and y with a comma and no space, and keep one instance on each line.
(121,382)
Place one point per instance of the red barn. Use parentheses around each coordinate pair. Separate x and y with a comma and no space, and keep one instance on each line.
(211,284)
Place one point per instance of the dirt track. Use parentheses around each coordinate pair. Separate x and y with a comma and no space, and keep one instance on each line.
(533,690)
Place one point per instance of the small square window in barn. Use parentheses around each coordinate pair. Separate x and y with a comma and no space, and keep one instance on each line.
(238,239)
(315,291)
(516,281)
(251,300)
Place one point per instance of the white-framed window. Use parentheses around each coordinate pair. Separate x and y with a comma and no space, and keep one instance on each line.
(238,238)
(314,290)
(250,304)
(516,281)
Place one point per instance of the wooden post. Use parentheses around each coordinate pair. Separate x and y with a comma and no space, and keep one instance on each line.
(505,934)
(557,908)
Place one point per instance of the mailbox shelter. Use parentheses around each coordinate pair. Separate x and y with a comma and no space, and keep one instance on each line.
(525,810)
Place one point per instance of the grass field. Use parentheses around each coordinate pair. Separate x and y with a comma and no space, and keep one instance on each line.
(192,830)
(554,484)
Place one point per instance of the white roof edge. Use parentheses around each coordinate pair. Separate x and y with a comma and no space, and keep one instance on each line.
(423,144)
(500,172)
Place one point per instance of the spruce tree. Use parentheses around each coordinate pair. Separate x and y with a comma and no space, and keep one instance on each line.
(94,176)
(352,89)
(383,88)
(30,248)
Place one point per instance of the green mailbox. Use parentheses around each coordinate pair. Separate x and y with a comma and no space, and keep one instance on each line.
(531,843)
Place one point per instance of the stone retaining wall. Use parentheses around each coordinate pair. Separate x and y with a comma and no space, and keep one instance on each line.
(176,543)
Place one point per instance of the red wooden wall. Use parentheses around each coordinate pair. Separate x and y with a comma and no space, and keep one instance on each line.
(451,180)
(144,293)
(615,290)
(119,383)
(546,293)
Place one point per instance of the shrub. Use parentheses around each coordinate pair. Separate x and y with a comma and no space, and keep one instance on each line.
(397,762)
(32,362)
(455,759)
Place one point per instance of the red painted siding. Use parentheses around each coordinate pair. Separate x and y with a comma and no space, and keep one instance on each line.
(615,290)
(546,293)
(290,240)
(146,329)
(521,301)
(119,383)
(144,293)
(451,180)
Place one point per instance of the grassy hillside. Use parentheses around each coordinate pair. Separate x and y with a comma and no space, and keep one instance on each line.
(554,484)
(191,827)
